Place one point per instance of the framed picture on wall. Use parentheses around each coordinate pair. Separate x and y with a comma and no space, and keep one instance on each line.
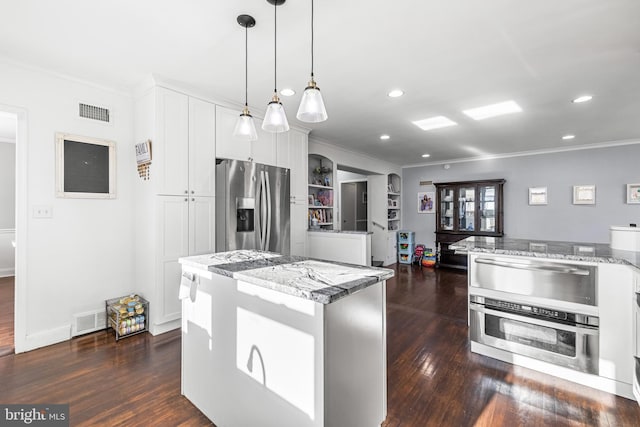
(584,194)
(537,195)
(426,202)
(633,194)
(85,167)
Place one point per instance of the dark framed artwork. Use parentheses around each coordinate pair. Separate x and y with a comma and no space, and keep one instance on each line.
(85,167)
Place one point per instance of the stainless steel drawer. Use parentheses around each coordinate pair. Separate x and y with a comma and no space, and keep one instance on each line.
(545,279)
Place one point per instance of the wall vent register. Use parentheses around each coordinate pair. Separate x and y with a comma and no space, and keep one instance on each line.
(94,113)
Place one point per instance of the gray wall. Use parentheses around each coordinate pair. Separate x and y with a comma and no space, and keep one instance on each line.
(610,169)
(7,185)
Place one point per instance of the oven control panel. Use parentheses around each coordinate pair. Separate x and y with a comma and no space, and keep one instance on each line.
(527,309)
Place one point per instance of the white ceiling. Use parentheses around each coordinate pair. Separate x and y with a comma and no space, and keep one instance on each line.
(446,55)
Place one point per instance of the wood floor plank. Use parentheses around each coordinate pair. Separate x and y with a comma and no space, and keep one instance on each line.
(433,378)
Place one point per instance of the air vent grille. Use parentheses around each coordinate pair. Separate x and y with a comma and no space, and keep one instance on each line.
(95,113)
(88,322)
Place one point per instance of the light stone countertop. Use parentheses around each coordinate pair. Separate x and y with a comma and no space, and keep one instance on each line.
(317,280)
(572,251)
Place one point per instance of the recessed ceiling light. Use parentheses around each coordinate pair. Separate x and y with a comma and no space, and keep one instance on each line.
(568,137)
(493,110)
(434,123)
(426,155)
(384,137)
(287,92)
(395,93)
(583,98)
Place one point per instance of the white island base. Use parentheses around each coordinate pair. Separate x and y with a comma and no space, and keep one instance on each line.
(253,356)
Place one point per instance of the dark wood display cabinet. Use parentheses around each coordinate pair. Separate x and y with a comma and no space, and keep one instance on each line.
(469,208)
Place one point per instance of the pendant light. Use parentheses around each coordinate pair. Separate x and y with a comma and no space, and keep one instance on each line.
(275,119)
(245,128)
(311,108)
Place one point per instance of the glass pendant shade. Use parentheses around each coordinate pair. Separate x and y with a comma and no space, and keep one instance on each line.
(311,108)
(275,119)
(245,129)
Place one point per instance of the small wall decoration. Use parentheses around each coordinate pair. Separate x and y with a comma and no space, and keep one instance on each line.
(584,194)
(310,200)
(85,167)
(143,158)
(537,195)
(426,202)
(633,194)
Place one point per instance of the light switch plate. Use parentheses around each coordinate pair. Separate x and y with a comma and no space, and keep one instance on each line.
(42,211)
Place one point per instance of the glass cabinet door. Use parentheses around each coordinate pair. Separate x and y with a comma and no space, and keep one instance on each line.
(487,208)
(467,208)
(446,208)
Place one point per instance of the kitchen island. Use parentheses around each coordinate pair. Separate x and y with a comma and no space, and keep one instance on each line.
(564,308)
(275,340)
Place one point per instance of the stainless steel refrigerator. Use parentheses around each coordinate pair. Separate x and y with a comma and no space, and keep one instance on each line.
(252,207)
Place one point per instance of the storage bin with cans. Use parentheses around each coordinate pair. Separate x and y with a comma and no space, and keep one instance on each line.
(128,315)
(406,245)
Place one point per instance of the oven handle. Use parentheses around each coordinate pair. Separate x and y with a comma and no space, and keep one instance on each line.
(585,329)
(534,267)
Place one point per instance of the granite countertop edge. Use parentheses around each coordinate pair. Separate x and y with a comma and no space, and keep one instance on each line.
(602,253)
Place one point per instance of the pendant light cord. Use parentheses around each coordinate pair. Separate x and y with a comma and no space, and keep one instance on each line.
(311,39)
(246,66)
(275,47)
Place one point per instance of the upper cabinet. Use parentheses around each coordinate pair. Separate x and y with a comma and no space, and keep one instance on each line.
(263,150)
(184,149)
(473,207)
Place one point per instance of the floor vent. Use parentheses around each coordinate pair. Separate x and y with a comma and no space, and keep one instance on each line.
(95,113)
(91,321)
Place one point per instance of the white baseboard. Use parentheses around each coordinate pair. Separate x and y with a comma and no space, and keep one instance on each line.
(7,272)
(165,327)
(601,383)
(44,338)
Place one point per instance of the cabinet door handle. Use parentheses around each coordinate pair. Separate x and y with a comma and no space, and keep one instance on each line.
(186,199)
(193,199)
(192,191)
(186,192)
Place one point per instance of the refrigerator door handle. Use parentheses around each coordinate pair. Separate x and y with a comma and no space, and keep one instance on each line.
(258,210)
(267,224)
(263,211)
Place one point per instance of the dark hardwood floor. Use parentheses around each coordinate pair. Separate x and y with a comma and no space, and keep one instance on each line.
(6,315)
(433,379)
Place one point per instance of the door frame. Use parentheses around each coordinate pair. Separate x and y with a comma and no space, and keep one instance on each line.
(21,227)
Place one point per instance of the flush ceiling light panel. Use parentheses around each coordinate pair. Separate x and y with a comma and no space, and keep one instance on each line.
(493,110)
(568,137)
(395,93)
(384,137)
(287,92)
(434,123)
(583,98)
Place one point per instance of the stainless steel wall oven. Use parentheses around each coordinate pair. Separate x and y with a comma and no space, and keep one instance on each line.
(539,309)
(559,337)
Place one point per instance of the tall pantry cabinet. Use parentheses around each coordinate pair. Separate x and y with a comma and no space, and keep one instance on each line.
(176,205)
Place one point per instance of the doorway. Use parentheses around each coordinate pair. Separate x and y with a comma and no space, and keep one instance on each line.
(8,129)
(353,205)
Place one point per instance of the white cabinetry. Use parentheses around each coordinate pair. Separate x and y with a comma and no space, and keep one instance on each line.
(263,150)
(176,207)
(292,154)
(184,147)
(615,285)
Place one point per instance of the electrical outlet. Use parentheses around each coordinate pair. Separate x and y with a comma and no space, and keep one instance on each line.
(42,211)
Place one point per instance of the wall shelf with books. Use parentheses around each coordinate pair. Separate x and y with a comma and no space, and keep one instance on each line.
(393,202)
(320,193)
